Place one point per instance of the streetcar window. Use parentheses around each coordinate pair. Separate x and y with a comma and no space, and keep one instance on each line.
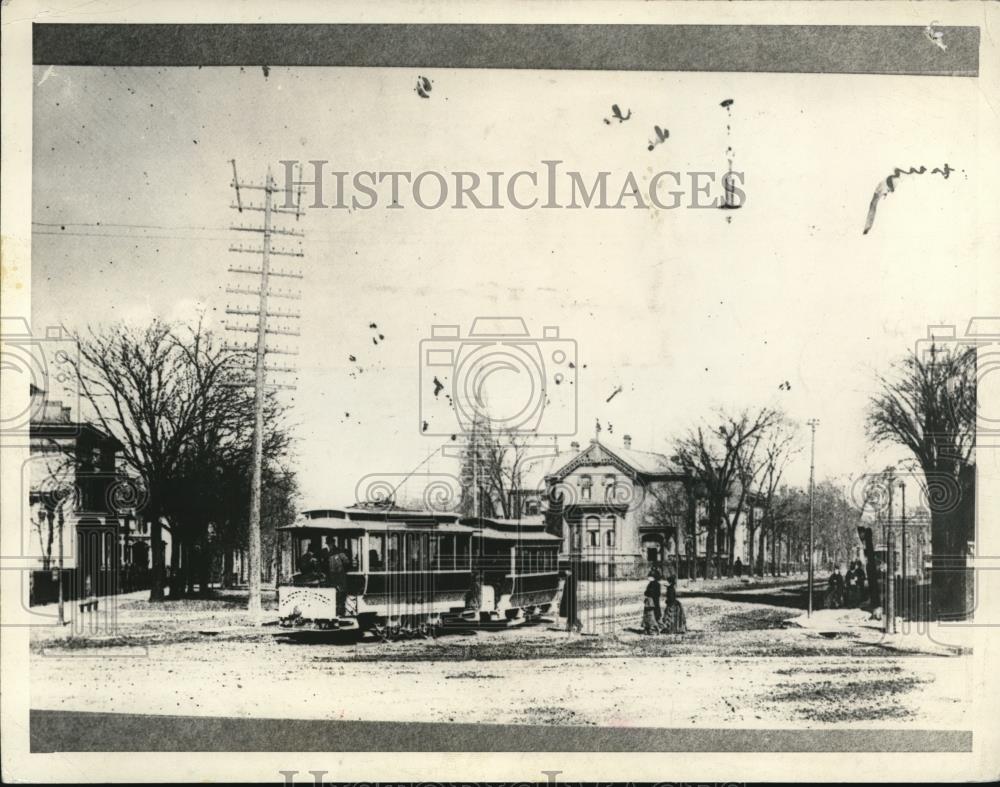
(463,552)
(394,555)
(447,553)
(352,545)
(416,551)
(433,549)
(376,553)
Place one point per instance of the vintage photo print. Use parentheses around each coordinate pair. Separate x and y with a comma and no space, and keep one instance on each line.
(544,393)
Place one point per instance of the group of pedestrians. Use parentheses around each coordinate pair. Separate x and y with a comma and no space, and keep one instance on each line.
(846,589)
(668,620)
(656,618)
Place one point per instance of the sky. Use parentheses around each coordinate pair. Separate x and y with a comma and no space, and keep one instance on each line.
(783,302)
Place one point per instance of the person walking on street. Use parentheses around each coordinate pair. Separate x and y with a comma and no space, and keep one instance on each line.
(651,603)
(568,603)
(674,621)
(835,589)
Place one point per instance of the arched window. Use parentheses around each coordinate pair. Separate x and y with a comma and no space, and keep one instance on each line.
(586,482)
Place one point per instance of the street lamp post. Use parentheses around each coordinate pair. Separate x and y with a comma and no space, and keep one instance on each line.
(902,526)
(813,423)
(890,571)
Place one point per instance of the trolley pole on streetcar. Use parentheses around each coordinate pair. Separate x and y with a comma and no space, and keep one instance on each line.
(813,423)
(263,327)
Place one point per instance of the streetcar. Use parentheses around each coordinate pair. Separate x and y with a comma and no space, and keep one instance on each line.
(404,573)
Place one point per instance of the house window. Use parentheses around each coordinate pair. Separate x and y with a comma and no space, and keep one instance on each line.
(594,537)
(610,537)
(585,484)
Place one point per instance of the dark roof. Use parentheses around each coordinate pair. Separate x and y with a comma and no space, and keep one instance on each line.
(65,430)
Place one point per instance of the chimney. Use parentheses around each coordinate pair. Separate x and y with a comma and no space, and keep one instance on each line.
(575,445)
(627,439)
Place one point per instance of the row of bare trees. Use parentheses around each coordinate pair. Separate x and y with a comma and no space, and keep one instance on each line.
(737,463)
(172,395)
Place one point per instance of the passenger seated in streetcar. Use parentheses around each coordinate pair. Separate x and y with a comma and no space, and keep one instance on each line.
(307,560)
(323,556)
(309,569)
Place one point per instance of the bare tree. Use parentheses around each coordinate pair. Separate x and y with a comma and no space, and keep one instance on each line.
(163,391)
(493,464)
(778,449)
(667,508)
(713,455)
(928,405)
(53,495)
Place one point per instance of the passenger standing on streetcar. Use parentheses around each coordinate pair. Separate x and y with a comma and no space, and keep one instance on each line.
(337,575)
(323,556)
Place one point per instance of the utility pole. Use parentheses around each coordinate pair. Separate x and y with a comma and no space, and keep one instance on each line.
(62,611)
(813,423)
(890,565)
(260,349)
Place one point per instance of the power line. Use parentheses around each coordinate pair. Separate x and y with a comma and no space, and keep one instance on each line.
(125,236)
(122,224)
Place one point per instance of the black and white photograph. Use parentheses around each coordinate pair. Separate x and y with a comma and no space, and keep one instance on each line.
(546,393)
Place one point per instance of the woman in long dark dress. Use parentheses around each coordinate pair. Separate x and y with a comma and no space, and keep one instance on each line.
(651,604)
(567,604)
(674,621)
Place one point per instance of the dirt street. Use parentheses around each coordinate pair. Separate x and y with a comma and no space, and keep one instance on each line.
(739,665)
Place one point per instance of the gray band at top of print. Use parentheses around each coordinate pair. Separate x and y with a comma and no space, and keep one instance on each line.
(820,49)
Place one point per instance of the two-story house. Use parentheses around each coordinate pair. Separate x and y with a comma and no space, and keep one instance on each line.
(79,505)
(620,511)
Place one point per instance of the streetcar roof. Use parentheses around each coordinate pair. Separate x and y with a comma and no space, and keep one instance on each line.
(531,528)
(365,519)
(521,537)
(343,519)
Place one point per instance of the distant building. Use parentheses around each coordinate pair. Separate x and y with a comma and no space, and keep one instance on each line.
(78,493)
(619,511)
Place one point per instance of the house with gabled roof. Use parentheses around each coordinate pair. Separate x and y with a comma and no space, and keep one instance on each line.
(619,511)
